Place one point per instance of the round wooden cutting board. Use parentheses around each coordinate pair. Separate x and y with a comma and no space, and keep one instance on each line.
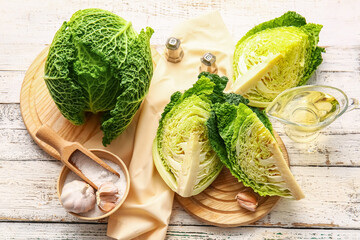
(216,205)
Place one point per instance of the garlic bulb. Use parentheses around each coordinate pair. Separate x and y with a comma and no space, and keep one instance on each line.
(78,197)
(106,196)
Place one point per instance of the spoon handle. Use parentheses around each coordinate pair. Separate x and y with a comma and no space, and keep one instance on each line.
(97,160)
(80,174)
(49,136)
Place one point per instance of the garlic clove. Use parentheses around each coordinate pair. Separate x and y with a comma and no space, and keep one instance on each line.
(106,206)
(109,198)
(108,188)
(247,200)
(106,196)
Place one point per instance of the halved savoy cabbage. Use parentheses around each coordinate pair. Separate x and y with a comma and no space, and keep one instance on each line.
(242,137)
(274,56)
(181,151)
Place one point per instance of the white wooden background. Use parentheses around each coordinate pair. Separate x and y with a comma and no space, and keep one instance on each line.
(327,169)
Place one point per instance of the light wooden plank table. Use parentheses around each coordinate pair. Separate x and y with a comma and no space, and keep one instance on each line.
(327,169)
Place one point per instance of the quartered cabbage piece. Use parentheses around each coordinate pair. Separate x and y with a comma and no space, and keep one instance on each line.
(274,56)
(243,140)
(181,151)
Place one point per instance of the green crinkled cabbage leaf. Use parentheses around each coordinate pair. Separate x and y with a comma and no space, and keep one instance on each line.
(288,35)
(240,138)
(98,63)
(184,117)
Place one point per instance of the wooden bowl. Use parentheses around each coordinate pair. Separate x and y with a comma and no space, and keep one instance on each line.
(108,156)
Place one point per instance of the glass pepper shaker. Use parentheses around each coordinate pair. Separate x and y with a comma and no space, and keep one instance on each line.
(173,52)
(208,63)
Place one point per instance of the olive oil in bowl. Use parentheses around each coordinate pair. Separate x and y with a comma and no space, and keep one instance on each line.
(306,110)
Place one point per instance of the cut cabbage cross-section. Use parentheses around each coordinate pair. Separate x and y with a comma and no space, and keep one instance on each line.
(181,151)
(254,78)
(260,74)
(252,154)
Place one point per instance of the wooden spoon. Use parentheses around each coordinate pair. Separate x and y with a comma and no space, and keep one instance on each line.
(66,149)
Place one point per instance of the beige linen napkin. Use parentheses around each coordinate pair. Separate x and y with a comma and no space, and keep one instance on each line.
(146,212)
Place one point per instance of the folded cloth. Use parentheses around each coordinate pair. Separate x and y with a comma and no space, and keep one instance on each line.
(146,212)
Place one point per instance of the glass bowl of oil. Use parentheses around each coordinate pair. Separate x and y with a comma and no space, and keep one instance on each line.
(306,110)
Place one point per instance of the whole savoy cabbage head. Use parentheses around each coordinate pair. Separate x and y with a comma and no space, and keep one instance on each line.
(98,63)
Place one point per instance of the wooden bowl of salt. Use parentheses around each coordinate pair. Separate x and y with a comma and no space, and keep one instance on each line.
(94,170)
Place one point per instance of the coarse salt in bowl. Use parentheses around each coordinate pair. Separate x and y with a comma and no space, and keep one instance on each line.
(67,175)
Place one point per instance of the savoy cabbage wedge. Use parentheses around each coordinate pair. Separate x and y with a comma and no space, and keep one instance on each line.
(242,137)
(98,63)
(181,151)
(274,56)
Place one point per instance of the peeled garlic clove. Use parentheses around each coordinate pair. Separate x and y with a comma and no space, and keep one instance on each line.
(106,196)
(247,200)
(78,197)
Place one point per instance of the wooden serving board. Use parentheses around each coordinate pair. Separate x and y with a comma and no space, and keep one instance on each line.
(216,205)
